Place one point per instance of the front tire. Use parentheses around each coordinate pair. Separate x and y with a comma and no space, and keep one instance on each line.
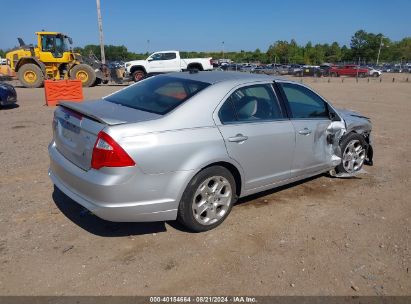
(354,152)
(31,76)
(85,73)
(208,199)
(138,75)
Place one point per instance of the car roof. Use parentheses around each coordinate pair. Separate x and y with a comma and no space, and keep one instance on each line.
(213,77)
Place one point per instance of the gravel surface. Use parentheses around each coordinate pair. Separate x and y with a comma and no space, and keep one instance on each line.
(322,236)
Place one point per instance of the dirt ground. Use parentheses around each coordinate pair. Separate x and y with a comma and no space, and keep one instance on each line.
(323,236)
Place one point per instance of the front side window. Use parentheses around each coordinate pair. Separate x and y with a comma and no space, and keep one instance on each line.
(304,103)
(158,95)
(251,104)
(158,56)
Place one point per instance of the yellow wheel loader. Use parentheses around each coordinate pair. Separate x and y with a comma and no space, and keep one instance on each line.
(52,58)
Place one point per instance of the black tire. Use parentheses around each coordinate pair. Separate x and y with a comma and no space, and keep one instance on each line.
(351,137)
(362,75)
(138,75)
(375,75)
(334,74)
(31,76)
(85,73)
(186,214)
(97,82)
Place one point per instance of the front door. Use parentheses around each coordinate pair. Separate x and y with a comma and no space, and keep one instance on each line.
(310,119)
(257,135)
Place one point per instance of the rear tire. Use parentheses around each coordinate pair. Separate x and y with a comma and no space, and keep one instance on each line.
(31,76)
(208,199)
(354,153)
(85,73)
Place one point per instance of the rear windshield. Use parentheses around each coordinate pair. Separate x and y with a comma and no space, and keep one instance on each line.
(159,94)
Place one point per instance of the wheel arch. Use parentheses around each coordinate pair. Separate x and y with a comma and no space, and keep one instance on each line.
(25,60)
(195,65)
(137,68)
(233,170)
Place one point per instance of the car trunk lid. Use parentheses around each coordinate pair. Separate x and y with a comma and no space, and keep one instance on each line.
(76,126)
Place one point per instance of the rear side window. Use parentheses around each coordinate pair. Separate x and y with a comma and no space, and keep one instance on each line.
(169,56)
(158,95)
(251,104)
(304,103)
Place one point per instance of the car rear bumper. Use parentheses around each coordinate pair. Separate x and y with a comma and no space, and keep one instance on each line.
(8,101)
(119,196)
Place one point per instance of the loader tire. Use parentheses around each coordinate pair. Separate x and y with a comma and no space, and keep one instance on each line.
(31,76)
(85,73)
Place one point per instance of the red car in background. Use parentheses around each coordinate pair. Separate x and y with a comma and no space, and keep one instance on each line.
(348,70)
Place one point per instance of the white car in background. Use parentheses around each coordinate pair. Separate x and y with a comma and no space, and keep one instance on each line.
(374,72)
(165,62)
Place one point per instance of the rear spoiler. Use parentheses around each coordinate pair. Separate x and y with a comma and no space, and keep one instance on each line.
(81,109)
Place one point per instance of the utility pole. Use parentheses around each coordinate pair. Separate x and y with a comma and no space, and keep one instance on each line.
(223,50)
(100,30)
(379,50)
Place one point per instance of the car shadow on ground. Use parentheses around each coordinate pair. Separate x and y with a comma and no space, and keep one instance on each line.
(249,199)
(95,225)
(9,107)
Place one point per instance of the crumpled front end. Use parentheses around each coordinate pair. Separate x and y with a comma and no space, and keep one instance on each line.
(352,122)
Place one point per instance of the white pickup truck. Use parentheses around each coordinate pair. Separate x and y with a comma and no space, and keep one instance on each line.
(165,62)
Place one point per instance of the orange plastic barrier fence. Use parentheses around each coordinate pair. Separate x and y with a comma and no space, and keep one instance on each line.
(63,90)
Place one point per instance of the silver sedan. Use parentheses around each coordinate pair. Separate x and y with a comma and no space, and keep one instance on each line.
(187,145)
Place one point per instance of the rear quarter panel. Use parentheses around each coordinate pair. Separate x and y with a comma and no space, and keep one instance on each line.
(176,150)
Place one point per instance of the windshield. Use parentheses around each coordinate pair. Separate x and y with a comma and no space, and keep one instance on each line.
(158,95)
(55,44)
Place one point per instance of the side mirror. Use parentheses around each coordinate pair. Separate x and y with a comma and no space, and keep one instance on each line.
(334,117)
(150,59)
(70,40)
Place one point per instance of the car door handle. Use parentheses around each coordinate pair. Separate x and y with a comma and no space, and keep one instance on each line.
(305,131)
(238,138)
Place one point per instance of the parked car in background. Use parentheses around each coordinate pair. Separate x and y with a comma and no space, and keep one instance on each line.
(348,70)
(387,68)
(308,71)
(398,68)
(283,70)
(325,68)
(293,68)
(374,72)
(187,145)
(165,62)
(8,95)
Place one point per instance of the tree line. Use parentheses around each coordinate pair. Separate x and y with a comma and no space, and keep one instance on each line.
(364,48)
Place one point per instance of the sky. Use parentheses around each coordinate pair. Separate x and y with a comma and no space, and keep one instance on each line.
(203,25)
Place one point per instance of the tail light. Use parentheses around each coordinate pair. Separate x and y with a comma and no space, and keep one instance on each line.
(108,153)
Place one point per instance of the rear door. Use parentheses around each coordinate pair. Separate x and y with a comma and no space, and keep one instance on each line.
(310,117)
(171,62)
(257,134)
